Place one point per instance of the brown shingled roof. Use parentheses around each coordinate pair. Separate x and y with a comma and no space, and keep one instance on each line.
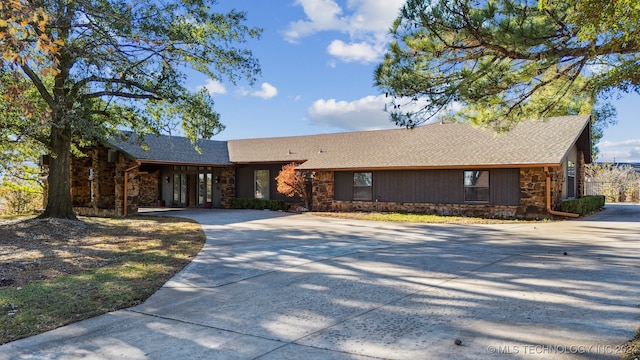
(435,145)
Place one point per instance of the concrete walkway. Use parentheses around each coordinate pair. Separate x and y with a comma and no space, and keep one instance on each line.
(270,285)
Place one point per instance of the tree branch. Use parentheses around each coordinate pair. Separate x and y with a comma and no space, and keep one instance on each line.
(37,82)
(119,94)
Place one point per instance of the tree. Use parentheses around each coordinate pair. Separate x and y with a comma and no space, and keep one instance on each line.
(504,61)
(112,64)
(22,21)
(617,182)
(21,114)
(292,182)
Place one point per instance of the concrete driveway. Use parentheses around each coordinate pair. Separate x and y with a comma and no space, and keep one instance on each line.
(270,285)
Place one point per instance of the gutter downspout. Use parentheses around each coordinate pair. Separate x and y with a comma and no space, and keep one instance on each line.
(126,185)
(549,210)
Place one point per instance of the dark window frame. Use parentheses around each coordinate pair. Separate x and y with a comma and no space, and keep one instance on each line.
(261,184)
(363,191)
(473,192)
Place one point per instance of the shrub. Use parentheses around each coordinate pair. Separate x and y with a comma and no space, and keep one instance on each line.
(16,199)
(584,205)
(616,182)
(292,182)
(258,204)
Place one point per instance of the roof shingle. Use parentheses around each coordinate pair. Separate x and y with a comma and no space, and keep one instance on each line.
(174,149)
(436,145)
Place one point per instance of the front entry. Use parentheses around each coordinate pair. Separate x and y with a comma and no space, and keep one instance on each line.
(196,186)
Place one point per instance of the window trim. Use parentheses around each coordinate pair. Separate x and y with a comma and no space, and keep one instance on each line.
(360,187)
(267,185)
(487,187)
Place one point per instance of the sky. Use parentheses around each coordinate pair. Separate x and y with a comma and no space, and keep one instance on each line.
(318,58)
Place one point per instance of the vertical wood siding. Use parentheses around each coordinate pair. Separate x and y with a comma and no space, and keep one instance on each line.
(343,185)
(430,186)
(245,185)
(504,186)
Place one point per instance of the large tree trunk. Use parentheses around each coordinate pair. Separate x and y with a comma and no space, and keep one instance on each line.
(59,193)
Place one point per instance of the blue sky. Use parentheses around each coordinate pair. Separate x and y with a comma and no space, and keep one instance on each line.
(317,59)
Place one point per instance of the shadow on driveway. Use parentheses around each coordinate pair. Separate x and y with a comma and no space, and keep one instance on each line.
(279,286)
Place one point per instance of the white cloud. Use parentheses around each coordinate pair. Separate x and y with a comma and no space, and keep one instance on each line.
(241,91)
(361,52)
(366,22)
(619,151)
(630,142)
(362,114)
(294,98)
(214,87)
(366,113)
(321,15)
(267,91)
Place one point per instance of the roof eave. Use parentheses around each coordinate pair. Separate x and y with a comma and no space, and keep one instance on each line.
(433,167)
(163,162)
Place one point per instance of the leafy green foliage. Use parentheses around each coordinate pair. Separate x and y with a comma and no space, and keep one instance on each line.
(120,64)
(19,199)
(584,205)
(505,61)
(258,204)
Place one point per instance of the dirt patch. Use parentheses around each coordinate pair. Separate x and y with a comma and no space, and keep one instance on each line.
(43,249)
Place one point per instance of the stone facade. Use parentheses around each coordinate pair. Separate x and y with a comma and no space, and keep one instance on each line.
(149,188)
(533,199)
(104,186)
(580,176)
(227,187)
(557,180)
(322,191)
(103,194)
(533,191)
(477,210)
(81,186)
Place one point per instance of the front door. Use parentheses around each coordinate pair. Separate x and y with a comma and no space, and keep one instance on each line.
(208,189)
(216,190)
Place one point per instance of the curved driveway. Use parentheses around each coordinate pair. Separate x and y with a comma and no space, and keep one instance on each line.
(270,285)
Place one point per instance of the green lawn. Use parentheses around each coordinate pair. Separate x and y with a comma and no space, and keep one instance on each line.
(87,268)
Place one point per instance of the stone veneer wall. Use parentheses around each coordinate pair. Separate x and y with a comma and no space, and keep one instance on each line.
(580,167)
(149,189)
(557,179)
(80,183)
(104,173)
(227,187)
(532,202)
(533,193)
(108,184)
(322,192)
(478,210)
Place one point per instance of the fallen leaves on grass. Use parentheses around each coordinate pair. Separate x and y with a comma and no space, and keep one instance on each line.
(415,218)
(54,272)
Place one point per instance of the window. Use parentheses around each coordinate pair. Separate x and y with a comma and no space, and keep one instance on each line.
(209,186)
(362,186)
(261,184)
(180,189)
(476,186)
(202,189)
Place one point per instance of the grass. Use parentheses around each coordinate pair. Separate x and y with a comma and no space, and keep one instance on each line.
(415,218)
(111,264)
(633,348)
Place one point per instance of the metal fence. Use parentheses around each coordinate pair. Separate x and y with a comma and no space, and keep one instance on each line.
(613,192)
